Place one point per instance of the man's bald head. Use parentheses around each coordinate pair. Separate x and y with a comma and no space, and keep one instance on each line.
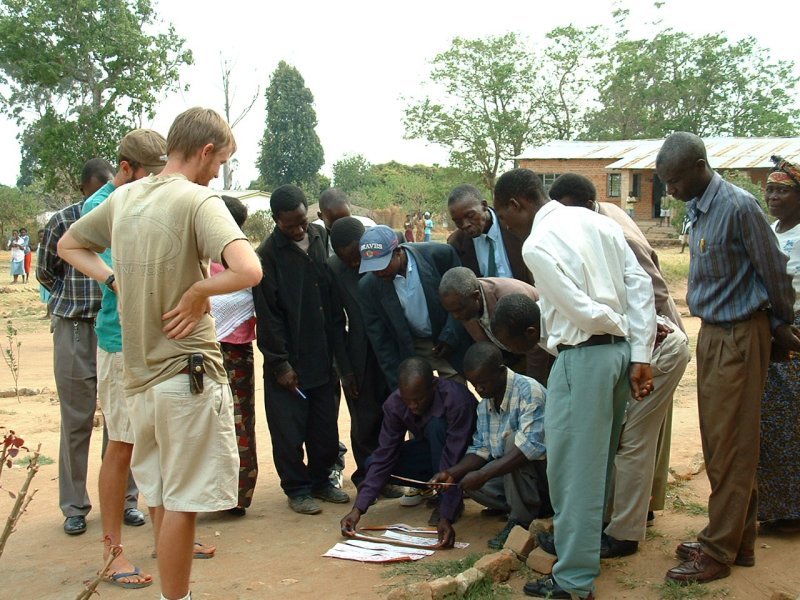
(681,147)
(682,164)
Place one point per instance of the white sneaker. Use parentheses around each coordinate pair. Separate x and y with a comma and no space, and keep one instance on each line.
(415,496)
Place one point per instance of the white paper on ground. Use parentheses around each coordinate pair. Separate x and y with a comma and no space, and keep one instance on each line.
(417,540)
(363,551)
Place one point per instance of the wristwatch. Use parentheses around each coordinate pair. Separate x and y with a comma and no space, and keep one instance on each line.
(109,283)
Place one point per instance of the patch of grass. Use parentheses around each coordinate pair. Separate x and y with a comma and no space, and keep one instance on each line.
(675,267)
(7,412)
(486,589)
(672,590)
(43,460)
(690,507)
(420,569)
(653,534)
(630,582)
(427,571)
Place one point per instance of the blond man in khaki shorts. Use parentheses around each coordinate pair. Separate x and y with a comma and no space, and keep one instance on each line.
(165,229)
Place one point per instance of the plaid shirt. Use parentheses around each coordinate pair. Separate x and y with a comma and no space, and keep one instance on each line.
(72,294)
(521,414)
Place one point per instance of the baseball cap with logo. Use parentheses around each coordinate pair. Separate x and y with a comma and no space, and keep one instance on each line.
(146,147)
(376,247)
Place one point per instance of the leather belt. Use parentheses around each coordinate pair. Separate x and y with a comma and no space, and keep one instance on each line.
(595,340)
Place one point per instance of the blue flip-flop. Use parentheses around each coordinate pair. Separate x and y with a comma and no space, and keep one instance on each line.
(115,579)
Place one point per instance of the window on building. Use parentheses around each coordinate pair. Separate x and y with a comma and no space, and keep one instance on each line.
(614,185)
(547,179)
(636,185)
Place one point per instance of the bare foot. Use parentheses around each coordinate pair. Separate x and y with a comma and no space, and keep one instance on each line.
(201,550)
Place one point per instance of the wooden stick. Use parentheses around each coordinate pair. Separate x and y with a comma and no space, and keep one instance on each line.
(384,540)
(408,479)
(22,500)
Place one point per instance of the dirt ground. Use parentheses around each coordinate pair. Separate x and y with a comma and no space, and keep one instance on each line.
(275,553)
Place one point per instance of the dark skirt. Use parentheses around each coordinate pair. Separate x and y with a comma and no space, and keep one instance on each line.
(779,463)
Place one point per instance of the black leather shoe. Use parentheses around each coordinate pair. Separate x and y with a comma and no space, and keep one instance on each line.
(547,542)
(75,525)
(611,547)
(547,587)
(133,517)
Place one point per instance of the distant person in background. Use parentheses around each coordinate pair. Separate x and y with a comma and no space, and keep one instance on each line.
(419,234)
(26,240)
(428,231)
(235,320)
(686,232)
(630,204)
(779,462)
(16,246)
(44,294)
(408,229)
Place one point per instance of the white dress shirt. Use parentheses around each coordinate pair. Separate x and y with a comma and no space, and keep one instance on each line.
(588,280)
(482,249)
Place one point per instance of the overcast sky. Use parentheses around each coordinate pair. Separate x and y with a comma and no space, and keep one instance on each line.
(360,59)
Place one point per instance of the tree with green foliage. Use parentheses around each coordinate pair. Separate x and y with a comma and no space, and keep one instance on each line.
(488,111)
(18,208)
(290,149)
(351,173)
(79,75)
(706,84)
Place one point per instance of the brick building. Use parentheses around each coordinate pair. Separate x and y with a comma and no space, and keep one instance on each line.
(616,167)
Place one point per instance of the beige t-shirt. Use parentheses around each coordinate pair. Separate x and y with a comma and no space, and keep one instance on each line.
(164,231)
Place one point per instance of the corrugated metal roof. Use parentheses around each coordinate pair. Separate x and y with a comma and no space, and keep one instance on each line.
(723,153)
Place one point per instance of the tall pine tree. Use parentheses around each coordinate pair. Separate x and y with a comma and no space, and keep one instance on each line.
(290,149)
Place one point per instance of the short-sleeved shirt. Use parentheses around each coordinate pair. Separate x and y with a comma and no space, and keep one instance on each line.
(521,415)
(109,332)
(164,230)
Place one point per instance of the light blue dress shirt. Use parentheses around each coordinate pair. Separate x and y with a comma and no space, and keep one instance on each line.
(482,249)
(412,299)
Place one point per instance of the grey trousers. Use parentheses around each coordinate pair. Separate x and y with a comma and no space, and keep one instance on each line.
(635,460)
(75,370)
(522,493)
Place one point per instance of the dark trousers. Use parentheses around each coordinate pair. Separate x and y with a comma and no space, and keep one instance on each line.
(295,422)
(419,458)
(731,370)
(366,416)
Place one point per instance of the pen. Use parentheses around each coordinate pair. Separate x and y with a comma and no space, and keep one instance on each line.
(301,394)
(702,245)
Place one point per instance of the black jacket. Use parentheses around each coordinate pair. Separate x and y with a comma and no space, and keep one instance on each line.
(386,323)
(301,323)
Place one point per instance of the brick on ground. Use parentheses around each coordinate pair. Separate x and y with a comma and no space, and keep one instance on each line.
(541,562)
(467,579)
(540,526)
(496,566)
(444,587)
(520,541)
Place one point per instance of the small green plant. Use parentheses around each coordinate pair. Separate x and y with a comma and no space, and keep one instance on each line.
(672,590)
(43,460)
(689,506)
(11,354)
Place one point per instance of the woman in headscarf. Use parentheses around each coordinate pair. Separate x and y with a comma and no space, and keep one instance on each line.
(779,463)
